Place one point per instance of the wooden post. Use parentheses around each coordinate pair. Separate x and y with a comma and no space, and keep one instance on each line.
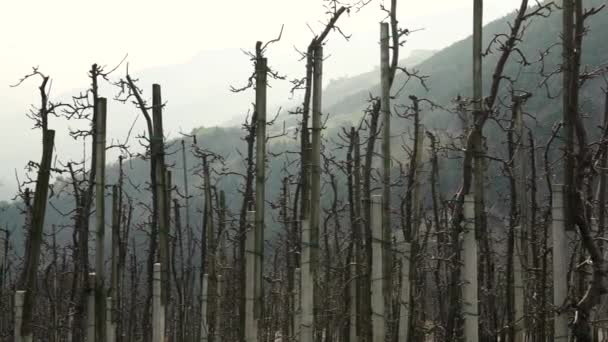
(479,108)
(521,231)
(161,192)
(404,300)
(158,313)
(70,323)
(385,107)
(560,265)
(19,295)
(100,182)
(110,325)
(568,109)
(378,310)
(307,287)
(315,176)
(470,305)
(3,261)
(297,305)
(186,193)
(204,302)
(251,331)
(114,306)
(352,292)
(477,53)
(217,331)
(518,288)
(260,180)
(91,309)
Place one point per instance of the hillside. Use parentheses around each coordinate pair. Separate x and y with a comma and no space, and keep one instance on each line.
(450,69)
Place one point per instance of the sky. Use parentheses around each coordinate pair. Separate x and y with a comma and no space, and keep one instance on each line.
(64,37)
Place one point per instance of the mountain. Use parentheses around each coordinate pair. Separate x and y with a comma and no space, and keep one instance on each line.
(450,69)
(337,88)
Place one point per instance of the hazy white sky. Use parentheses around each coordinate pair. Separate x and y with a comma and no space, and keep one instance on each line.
(64,37)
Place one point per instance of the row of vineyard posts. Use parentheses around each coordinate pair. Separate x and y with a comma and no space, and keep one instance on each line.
(373,284)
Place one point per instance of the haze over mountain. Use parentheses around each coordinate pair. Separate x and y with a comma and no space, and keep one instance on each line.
(180,47)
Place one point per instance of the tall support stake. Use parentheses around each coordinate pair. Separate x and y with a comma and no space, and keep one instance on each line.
(114,306)
(518,288)
(204,305)
(568,111)
(385,107)
(186,190)
(161,192)
(560,264)
(470,301)
(297,304)
(352,292)
(307,287)
(477,53)
(404,300)
(3,261)
(315,183)
(158,311)
(110,325)
(91,309)
(521,231)
(378,307)
(476,231)
(478,109)
(217,331)
(19,295)
(251,329)
(260,179)
(100,209)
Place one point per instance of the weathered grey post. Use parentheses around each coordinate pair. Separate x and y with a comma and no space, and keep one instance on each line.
(70,322)
(110,325)
(217,331)
(204,302)
(385,107)
(100,182)
(260,179)
(251,331)
(352,292)
(315,176)
(378,311)
(478,148)
(3,252)
(158,312)
(91,309)
(307,288)
(114,304)
(297,305)
(521,231)
(161,194)
(19,295)
(404,296)
(518,287)
(560,264)
(470,305)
